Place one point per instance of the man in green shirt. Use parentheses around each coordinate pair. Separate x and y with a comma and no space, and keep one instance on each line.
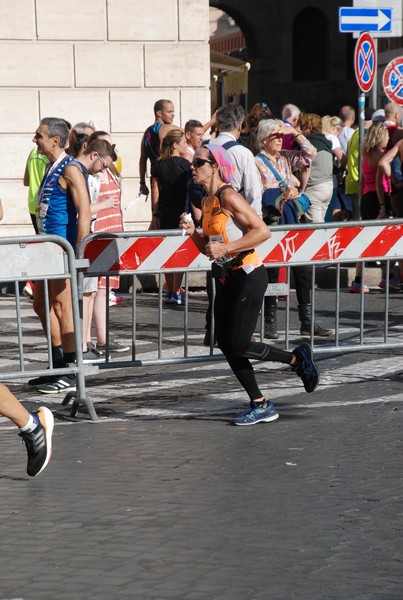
(34,172)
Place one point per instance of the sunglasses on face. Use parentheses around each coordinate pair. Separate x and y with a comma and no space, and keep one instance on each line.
(103,163)
(199,162)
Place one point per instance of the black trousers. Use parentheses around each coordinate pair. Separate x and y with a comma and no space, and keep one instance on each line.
(236,310)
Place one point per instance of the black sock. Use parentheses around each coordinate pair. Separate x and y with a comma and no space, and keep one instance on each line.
(57,357)
(69,357)
(358,280)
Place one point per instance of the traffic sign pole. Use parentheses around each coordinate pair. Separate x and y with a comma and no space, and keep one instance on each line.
(374,89)
(361,117)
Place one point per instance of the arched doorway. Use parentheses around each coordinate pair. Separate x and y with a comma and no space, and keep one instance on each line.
(310,45)
(278,74)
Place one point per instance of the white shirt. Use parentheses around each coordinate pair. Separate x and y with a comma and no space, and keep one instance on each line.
(345,137)
(334,140)
(246,180)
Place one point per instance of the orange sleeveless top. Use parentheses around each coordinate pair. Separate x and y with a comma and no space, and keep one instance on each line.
(218,226)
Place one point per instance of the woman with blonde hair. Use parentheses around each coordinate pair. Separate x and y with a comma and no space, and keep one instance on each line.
(373,149)
(319,187)
(331,128)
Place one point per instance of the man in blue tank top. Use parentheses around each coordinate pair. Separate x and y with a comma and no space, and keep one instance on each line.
(164,112)
(64,209)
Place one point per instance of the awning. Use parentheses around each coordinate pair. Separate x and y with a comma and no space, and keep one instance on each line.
(233,71)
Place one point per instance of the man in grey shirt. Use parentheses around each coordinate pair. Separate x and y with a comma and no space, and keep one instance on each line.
(246,180)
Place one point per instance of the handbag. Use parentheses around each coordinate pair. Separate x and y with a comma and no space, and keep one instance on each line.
(276,197)
(302,204)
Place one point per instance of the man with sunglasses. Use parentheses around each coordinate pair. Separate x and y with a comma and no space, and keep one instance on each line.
(64,209)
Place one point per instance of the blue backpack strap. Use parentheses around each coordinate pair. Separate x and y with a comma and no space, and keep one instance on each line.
(230,144)
(273,170)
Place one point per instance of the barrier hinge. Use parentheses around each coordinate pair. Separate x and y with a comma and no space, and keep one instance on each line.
(82,263)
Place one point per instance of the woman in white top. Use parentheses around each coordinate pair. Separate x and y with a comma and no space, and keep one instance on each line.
(331,128)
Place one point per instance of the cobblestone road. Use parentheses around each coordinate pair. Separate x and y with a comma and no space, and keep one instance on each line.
(164,499)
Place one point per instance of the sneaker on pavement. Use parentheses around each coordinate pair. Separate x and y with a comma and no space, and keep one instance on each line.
(92,356)
(28,289)
(114,299)
(39,441)
(177,299)
(257,413)
(305,367)
(41,380)
(172,298)
(355,288)
(59,384)
(113,346)
(393,285)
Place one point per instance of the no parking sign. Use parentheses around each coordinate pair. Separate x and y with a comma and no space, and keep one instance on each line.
(393,80)
(365,62)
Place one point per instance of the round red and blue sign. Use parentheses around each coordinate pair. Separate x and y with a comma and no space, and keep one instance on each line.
(393,80)
(365,62)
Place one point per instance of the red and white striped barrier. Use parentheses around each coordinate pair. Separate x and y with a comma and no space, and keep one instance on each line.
(158,253)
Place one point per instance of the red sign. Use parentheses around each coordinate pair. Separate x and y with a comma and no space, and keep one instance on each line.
(365,62)
(393,80)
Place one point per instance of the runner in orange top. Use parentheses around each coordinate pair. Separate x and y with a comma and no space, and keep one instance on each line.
(231,231)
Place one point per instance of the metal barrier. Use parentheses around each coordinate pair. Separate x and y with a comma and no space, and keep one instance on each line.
(330,244)
(44,258)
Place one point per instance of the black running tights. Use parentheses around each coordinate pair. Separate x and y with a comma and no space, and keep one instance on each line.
(236,310)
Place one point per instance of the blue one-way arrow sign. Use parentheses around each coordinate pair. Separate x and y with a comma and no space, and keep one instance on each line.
(364,19)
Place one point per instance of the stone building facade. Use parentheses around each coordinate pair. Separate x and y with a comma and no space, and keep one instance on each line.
(107,61)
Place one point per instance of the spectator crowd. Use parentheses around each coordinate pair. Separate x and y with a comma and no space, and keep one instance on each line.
(236,176)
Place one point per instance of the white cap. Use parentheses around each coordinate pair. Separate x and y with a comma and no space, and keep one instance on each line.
(378,116)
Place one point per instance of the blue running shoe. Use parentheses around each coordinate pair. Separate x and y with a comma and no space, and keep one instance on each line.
(178,299)
(305,367)
(257,413)
(169,298)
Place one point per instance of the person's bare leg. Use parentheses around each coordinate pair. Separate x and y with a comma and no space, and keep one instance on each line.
(169,278)
(88,309)
(12,408)
(177,282)
(40,310)
(61,301)
(100,316)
